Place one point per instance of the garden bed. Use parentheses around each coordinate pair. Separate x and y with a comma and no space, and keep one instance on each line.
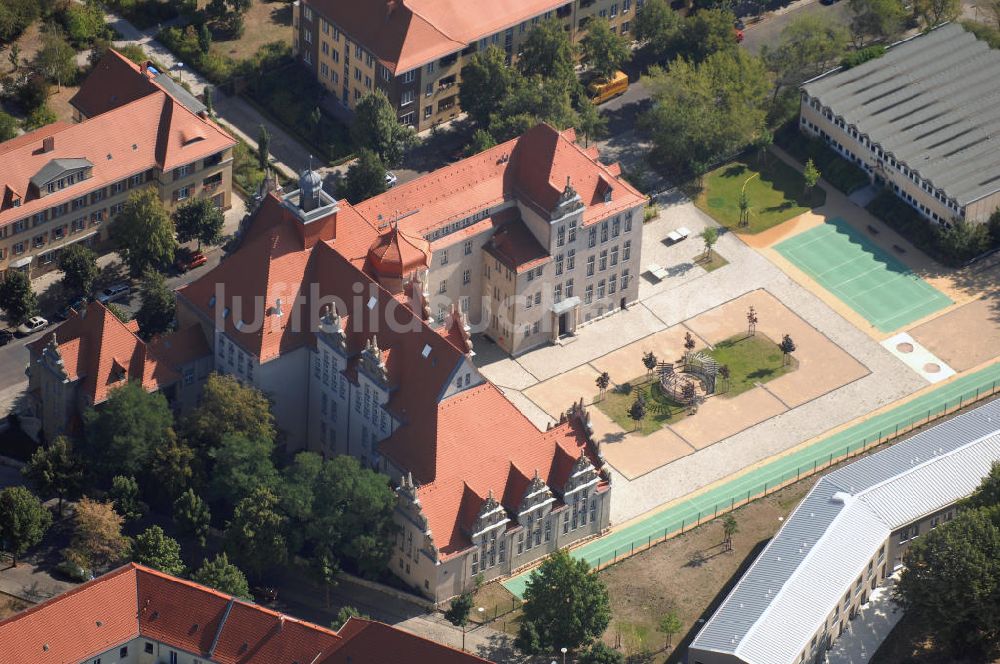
(751,360)
(660,408)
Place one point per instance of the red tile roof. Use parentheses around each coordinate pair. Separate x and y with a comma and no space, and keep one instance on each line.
(532,168)
(404,34)
(484,444)
(76,625)
(114,81)
(102,352)
(162,133)
(514,245)
(135,601)
(398,254)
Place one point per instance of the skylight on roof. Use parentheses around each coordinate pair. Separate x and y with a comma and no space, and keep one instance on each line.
(426,351)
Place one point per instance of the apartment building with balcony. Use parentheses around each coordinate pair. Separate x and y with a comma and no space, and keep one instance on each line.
(919,121)
(848,536)
(66,182)
(414,50)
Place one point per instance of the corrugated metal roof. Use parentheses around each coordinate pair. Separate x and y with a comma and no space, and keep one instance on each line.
(780,603)
(933,103)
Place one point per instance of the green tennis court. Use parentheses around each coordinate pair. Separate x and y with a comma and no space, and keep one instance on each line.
(869,280)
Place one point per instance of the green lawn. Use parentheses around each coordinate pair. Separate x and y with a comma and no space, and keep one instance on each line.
(751,360)
(775,193)
(660,409)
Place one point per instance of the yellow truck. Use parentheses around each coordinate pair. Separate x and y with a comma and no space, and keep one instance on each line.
(601,90)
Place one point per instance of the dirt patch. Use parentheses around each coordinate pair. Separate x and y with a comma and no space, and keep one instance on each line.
(264,22)
(978,342)
(11,605)
(689,574)
(59,103)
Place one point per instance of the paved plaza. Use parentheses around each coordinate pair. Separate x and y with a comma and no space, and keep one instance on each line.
(674,466)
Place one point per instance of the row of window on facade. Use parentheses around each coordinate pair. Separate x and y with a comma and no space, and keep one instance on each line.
(492,550)
(235,360)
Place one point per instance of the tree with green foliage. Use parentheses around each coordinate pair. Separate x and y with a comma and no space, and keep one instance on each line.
(603,381)
(601,653)
(158,309)
(256,535)
(649,361)
(935,12)
(637,411)
(23,520)
(97,541)
(343,615)
(326,569)
(376,127)
(590,122)
(56,59)
(84,23)
(8,126)
(79,267)
(192,516)
(351,515)
(143,234)
(15,17)
(120,436)
(604,51)
(224,576)
(810,175)
(730,527)
(964,240)
(807,46)
(17,299)
(787,347)
(458,612)
(481,140)
(226,407)
(709,236)
(124,496)
(706,32)
(987,494)
(175,459)
(564,606)
(33,93)
(55,471)
(951,581)
(487,81)
(119,312)
(199,219)
(706,112)
(876,20)
(263,148)
(242,464)
(670,625)
(548,53)
(204,38)
(153,548)
(230,13)
(365,177)
(660,27)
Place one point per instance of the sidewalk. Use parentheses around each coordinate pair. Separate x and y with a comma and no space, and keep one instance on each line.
(286,152)
(868,630)
(31,583)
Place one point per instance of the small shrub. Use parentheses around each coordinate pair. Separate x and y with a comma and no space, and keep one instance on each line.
(41,116)
(650,212)
(863,55)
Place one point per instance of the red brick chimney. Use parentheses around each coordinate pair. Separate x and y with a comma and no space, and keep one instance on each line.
(48,144)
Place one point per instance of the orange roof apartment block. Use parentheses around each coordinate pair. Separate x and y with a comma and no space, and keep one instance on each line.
(357,321)
(414,50)
(135,613)
(137,128)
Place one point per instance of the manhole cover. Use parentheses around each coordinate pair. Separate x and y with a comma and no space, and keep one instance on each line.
(904,347)
(932,367)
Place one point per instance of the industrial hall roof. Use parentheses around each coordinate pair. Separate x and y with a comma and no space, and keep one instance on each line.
(931,103)
(786,595)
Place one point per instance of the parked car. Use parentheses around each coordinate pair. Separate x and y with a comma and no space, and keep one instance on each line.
(74,571)
(739,24)
(188,260)
(5,337)
(31,326)
(79,304)
(113,293)
(390,179)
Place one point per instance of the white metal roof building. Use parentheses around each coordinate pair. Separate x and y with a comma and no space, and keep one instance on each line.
(780,611)
(921,117)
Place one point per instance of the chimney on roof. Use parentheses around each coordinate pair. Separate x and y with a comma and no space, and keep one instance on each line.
(48,144)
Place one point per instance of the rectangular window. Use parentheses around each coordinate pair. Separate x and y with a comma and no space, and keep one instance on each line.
(604,260)
(590,265)
(604,232)
(561,236)
(626,250)
(612,284)
(571,259)
(468,247)
(559,264)
(592,239)
(466,276)
(406,98)
(410,76)
(600,289)
(569,288)
(588,294)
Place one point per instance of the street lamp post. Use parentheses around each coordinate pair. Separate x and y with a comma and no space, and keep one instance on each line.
(563,651)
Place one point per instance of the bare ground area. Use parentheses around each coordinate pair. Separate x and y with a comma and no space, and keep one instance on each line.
(59,102)
(264,22)
(11,605)
(690,574)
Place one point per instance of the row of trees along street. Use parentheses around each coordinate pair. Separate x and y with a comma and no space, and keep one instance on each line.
(226,472)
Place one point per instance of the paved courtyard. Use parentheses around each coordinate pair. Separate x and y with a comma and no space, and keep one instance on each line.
(676,469)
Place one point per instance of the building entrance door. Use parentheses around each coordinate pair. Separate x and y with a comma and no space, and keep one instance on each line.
(563,324)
